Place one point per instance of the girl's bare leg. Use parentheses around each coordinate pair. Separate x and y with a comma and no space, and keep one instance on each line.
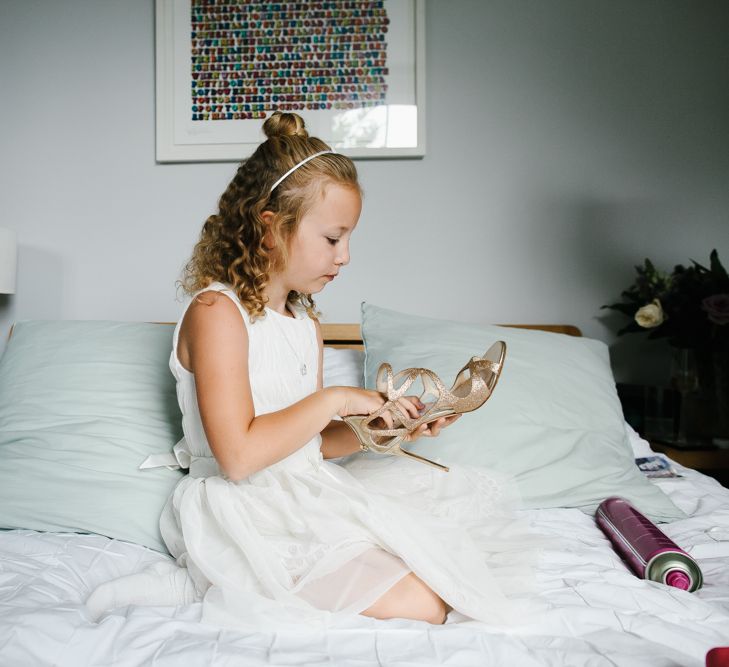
(410,598)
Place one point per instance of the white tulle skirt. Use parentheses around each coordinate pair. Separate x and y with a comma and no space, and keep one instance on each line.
(307,539)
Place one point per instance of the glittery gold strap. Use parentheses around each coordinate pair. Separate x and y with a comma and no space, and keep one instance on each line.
(472,387)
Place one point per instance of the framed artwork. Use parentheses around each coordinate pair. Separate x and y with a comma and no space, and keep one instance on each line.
(353,69)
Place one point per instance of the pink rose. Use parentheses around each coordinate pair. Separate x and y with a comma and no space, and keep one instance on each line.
(717,308)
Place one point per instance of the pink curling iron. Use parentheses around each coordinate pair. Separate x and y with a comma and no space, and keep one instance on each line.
(647,550)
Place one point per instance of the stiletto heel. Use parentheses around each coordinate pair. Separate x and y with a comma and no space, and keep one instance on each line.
(416,457)
(472,387)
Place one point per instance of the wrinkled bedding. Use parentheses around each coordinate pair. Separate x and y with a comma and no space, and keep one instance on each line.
(598,613)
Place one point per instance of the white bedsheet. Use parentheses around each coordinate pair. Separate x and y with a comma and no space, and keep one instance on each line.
(599,613)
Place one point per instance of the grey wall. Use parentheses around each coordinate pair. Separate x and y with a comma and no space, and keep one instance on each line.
(567,140)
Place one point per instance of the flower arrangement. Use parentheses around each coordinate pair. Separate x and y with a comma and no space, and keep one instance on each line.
(689,307)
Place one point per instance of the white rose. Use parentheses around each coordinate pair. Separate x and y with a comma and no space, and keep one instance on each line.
(650,316)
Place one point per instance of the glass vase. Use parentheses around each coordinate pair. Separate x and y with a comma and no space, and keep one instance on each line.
(685,380)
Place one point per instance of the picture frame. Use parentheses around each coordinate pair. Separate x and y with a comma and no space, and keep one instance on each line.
(356,77)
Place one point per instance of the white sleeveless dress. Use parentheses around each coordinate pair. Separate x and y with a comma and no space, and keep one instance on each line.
(307,538)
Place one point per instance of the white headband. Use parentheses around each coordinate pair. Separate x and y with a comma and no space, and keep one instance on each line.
(296,166)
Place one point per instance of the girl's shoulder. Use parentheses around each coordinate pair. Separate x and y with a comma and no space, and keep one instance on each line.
(217,304)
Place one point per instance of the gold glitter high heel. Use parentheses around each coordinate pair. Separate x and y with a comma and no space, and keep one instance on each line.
(472,387)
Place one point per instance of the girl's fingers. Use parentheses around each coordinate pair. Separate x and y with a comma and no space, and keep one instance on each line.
(410,405)
(436,426)
(421,430)
(432,429)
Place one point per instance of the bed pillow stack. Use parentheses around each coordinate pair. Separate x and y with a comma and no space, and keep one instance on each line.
(82,404)
(554,421)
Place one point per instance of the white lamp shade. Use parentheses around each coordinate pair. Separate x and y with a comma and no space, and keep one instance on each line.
(8,260)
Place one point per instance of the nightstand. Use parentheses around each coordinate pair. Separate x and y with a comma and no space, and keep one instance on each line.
(653,411)
(709,460)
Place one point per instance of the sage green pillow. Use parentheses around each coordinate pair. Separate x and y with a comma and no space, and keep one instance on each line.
(82,404)
(554,421)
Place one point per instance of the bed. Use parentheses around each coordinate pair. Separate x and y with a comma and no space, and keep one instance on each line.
(72,522)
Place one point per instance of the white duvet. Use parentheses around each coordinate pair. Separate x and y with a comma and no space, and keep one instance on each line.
(598,612)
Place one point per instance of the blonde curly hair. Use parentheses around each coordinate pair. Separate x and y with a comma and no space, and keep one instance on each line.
(231,247)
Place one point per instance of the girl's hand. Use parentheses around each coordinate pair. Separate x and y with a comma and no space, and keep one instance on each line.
(431,430)
(409,405)
(365,402)
(355,401)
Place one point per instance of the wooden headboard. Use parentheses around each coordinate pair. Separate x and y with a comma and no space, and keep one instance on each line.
(350,335)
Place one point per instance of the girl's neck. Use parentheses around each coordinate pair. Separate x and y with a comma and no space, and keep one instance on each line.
(277,295)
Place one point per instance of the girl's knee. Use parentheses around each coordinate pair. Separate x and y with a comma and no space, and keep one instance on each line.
(436,611)
(430,607)
(410,598)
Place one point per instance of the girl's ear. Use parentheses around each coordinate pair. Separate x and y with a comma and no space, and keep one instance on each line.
(268,240)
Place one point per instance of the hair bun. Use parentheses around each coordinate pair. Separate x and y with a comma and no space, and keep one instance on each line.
(283,124)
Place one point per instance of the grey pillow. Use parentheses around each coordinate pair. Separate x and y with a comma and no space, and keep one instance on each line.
(554,421)
(82,404)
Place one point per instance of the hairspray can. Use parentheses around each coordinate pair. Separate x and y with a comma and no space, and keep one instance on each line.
(649,552)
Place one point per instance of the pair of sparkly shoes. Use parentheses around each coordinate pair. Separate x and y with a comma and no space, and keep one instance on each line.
(472,387)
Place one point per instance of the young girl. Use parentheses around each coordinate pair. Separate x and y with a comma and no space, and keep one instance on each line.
(264,524)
